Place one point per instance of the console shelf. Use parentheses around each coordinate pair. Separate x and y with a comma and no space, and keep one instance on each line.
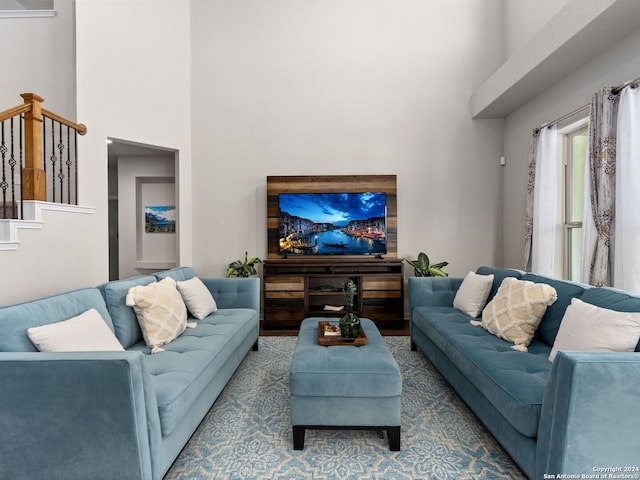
(295,289)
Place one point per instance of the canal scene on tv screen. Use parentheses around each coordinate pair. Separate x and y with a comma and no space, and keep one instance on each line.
(332,223)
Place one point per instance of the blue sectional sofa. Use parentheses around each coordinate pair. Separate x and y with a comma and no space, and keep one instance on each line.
(115,415)
(576,416)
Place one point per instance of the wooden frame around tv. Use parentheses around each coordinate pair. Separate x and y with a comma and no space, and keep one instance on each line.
(331,184)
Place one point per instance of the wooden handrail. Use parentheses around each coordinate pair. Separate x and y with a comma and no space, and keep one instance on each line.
(33,175)
(80,127)
(25,107)
(12,112)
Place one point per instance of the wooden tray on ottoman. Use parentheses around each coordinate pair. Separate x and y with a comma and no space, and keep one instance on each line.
(327,340)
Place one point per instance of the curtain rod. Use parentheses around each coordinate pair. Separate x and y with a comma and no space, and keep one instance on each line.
(633,84)
(614,90)
(563,117)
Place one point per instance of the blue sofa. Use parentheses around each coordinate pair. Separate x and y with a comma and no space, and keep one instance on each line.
(574,416)
(115,415)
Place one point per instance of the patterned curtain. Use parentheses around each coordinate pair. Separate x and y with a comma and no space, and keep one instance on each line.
(531,183)
(602,166)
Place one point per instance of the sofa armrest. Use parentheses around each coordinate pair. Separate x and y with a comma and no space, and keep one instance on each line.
(235,292)
(432,291)
(589,416)
(73,416)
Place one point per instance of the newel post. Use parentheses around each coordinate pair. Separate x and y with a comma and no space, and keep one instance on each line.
(34,181)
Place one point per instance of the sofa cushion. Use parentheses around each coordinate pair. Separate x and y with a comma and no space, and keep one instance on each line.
(587,328)
(87,332)
(516,310)
(550,323)
(160,310)
(197,297)
(124,318)
(513,382)
(499,274)
(178,274)
(15,319)
(194,360)
(613,299)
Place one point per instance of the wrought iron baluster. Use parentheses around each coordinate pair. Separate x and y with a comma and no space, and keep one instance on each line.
(12,164)
(53,160)
(60,171)
(44,146)
(75,174)
(69,162)
(21,156)
(3,182)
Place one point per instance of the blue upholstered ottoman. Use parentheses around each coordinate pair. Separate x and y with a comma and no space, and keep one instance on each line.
(346,387)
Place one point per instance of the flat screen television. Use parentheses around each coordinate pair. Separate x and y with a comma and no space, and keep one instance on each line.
(332,223)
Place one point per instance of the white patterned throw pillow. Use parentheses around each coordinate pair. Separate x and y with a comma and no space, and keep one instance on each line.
(161,312)
(516,310)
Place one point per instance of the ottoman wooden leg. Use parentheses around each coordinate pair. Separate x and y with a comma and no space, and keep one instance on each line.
(394,438)
(298,437)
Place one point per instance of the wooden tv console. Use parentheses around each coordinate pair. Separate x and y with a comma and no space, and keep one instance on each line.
(297,288)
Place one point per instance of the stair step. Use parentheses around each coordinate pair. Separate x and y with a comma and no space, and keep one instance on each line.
(9,232)
(33,220)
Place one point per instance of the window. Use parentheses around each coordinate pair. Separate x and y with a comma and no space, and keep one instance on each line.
(575,152)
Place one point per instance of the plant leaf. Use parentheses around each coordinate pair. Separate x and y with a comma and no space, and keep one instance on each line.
(423,261)
(440,265)
(436,272)
(413,263)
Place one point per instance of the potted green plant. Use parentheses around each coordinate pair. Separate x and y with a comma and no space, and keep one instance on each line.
(350,323)
(244,268)
(422,267)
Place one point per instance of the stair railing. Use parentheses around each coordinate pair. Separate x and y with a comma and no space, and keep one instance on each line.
(37,148)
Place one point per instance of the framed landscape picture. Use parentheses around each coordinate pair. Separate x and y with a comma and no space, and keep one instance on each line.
(160,219)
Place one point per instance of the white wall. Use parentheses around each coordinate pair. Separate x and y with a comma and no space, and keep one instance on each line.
(62,255)
(57,258)
(346,87)
(523,19)
(243,89)
(38,56)
(613,67)
(134,85)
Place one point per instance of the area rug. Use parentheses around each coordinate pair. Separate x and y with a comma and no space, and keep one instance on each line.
(247,432)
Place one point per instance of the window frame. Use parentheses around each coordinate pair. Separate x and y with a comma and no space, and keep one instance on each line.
(578,128)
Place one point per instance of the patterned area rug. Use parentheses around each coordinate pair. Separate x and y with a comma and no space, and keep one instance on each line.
(247,432)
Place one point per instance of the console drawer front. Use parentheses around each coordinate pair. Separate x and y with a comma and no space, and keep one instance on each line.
(381,283)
